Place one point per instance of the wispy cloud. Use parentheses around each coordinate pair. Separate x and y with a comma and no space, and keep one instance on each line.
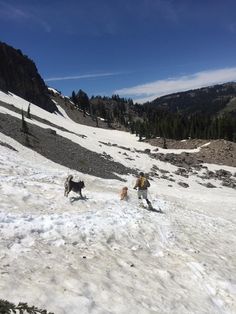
(152,90)
(10,12)
(15,13)
(83,76)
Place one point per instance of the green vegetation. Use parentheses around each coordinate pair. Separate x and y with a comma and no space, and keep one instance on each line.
(206,113)
(22,308)
(28,112)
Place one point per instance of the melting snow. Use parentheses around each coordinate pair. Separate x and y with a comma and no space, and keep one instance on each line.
(101,255)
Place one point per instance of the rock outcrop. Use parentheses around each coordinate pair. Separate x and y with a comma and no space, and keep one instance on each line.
(19,75)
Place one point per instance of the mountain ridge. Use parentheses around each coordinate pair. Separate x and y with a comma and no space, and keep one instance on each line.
(209,99)
(19,75)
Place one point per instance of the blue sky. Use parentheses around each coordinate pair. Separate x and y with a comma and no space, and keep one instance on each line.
(139,49)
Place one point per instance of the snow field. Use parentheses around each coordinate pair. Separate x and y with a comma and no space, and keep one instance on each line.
(101,255)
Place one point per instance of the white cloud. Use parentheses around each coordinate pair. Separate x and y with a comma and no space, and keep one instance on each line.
(152,90)
(83,76)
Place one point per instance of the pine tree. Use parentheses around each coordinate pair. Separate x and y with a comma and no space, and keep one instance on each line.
(83,101)
(24,126)
(164,143)
(28,112)
(73,97)
(109,118)
(96,120)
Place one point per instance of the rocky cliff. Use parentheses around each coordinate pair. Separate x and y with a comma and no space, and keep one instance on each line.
(19,75)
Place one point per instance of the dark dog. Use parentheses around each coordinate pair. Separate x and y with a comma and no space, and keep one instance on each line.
(73,186)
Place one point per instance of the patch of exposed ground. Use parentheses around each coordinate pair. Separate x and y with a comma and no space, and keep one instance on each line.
(79,117)
(174,144)
(36,118)
(61,150)
(219,152)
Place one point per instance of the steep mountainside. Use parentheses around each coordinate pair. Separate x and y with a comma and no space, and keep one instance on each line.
(98,253)
(210,100)
(19,75)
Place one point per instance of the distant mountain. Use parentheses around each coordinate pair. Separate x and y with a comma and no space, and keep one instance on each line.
(19,75)
(206,113)
(212,100)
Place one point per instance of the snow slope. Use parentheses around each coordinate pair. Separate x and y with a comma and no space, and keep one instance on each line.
(101,255)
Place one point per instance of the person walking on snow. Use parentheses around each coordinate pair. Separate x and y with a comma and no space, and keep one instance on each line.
(143,184)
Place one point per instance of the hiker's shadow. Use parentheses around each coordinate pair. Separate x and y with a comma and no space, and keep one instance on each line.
(155,210)
(77,198)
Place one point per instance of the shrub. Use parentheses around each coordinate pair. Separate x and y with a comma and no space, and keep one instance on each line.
(9,308)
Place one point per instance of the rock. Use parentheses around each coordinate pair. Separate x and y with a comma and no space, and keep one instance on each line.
(163,171)
(164,177)
(8,146)
(53,132)
(183,184)
(209,185)
(229,183)
(182,172)
(223,173)
(210,174)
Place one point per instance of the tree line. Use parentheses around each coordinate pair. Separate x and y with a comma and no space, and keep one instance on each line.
(149,121)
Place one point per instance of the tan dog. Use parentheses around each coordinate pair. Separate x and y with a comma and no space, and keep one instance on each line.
(124,194)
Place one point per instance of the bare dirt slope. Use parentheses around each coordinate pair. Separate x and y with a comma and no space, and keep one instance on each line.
(220,151)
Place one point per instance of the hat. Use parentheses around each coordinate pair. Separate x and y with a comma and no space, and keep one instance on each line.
(141,174)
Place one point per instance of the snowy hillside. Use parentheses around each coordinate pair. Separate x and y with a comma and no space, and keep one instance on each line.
(103,255)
